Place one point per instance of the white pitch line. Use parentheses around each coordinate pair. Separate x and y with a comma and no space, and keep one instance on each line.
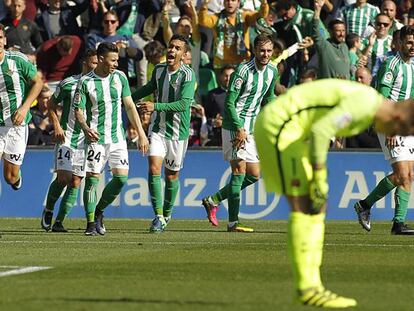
(200,243)
(23,270)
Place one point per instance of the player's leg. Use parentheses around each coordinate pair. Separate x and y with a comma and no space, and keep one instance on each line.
(73,180)
(119,163)
(95,160)
(402,179)
(252,175)
(174,162)
(156,155)
(63,169)
(66,204)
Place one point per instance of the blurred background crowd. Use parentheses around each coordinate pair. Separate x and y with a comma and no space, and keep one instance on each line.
(347,39)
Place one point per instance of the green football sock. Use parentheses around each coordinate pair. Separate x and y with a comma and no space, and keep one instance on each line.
(111,191)
(380,191)
(305,247)
(234,196)
(223,193)
(154,185)
(55,190)
(68,200)
(402,198)
(89,197)
(170,194)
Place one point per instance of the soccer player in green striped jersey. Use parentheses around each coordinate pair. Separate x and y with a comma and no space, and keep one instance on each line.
(20,84)
(69,149)
(357,16)
(99,95)
(251,86)
(173,83)
(293,135)
(378,44)
(395,81)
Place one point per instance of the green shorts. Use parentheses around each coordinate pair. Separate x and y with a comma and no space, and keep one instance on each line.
(284,155)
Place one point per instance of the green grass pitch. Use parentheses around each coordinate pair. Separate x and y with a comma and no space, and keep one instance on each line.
(194,266)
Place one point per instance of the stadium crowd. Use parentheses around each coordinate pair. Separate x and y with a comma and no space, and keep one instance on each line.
(347,39)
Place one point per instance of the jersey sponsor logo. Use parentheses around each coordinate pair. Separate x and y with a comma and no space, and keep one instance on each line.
(15,157)
(388,77)
(238,83)
(343,120)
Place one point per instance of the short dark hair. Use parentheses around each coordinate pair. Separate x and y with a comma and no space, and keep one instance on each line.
(2,28)
(334,22)
(285,5)
(309,73)
(226,67)
(183,39)
(105,48)
(261,39)
(406,31)
(154,49)
(88,53)
(351,39)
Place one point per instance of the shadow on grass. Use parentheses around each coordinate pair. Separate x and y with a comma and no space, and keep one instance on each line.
(146,301)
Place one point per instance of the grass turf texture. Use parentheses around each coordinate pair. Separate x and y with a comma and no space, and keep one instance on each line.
(193,266)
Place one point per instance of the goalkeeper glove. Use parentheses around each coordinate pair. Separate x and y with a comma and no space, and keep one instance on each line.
(319,189)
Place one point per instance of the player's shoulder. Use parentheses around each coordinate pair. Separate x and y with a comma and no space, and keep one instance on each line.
(272,67)
(188,72)
(245,67)
(120,73)
(69,81)
(393,62)
(17,56)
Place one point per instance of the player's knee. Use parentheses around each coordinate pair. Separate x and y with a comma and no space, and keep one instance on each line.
(64,179)
(11,178)
(75,182)
(155,169)
(120,180)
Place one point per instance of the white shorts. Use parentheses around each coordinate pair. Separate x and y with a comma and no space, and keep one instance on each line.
(69,159)
(13,141)
(172,151)
(403,152)
(97,155)
(248,153)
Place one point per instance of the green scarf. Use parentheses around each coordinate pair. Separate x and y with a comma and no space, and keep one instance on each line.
(241,47)
(129,26)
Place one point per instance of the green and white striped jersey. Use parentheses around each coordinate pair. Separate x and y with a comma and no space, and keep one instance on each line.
(16,74)
(102,100)
(380,48)
(249,89)
(174,93)
(357,19)
(395,78)
(63,96)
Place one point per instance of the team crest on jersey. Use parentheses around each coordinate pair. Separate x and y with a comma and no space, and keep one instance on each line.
(343,120)
(76,99)
(388,77)
(238,83)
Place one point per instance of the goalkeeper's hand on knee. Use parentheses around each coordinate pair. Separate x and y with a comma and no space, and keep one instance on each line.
(319,189)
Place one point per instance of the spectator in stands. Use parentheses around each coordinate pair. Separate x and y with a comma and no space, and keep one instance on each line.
(22,34)
(186,26)
(357,16)
(308,75)
(231,30)
(410,17)
(58,58)
(333,53)
(40,127)
(198,126)
(58,18)
(378,44)
(128,50)
(4,8)
(389,8)
(353,41)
